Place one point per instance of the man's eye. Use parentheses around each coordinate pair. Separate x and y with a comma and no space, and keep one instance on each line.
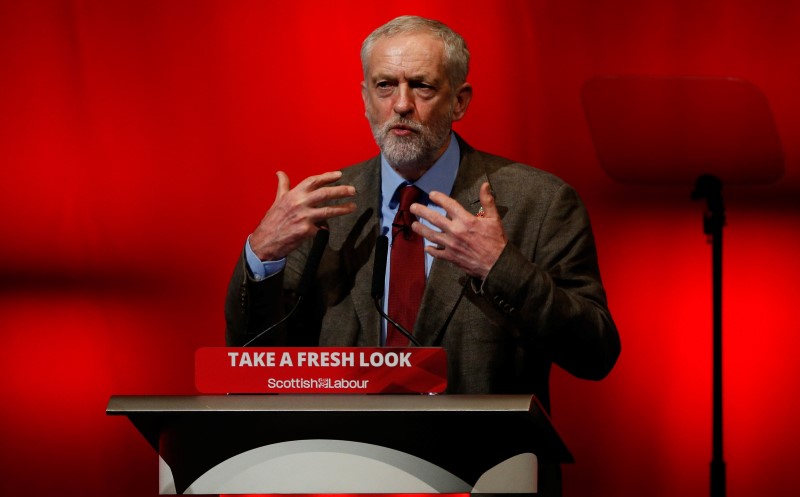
(424,90)
(384,87)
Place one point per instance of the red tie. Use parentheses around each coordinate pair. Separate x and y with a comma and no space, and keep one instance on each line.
(407,273)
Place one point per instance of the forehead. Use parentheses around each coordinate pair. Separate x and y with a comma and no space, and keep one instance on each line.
(414,54)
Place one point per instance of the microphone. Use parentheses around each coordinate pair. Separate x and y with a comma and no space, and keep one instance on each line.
(378,281)
(379,269)
(309,273)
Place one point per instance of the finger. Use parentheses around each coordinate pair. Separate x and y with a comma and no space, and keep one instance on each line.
(324,213)
(487,201)
(315,182)
(435,237)
(430,215)
(327,193)
(437,252)
(452,207)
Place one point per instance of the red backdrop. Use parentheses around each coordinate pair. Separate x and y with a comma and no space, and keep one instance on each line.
(138,146)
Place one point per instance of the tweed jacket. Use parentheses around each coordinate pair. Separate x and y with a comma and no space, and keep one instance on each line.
(543,301)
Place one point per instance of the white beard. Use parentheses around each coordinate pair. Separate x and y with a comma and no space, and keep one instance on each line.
(416,152)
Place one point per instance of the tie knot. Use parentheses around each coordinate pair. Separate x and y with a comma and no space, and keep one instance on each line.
(408,195)
(404,219)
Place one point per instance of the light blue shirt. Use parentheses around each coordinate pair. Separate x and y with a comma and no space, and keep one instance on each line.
(440,177)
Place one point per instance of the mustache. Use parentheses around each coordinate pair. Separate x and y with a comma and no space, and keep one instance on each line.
(400,121)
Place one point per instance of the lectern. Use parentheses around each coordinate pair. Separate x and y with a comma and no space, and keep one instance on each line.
(300,444)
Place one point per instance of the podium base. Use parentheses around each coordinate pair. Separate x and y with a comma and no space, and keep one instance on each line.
(346,467)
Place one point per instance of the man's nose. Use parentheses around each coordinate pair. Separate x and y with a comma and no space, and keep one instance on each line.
(404,103)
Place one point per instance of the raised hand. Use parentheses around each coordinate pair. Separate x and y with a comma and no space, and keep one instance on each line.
(473,243)
(297,213)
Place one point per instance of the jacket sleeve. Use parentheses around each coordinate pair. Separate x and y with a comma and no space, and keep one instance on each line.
(554,295)
(251,306)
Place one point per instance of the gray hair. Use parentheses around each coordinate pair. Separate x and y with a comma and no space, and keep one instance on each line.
(456,55)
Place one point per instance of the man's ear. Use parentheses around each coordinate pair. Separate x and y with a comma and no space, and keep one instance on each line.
(463,98)
(364,95)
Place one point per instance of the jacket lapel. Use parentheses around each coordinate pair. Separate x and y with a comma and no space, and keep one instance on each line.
(446,282)
(360,246)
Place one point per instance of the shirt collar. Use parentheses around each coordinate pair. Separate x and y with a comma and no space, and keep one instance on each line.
(440,177)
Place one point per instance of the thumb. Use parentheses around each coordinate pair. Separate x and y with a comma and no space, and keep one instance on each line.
(283,184)
(487,201)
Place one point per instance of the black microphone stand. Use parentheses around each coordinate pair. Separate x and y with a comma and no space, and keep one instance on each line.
(710,188)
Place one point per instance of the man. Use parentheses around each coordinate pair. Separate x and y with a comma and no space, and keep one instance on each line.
(511,281)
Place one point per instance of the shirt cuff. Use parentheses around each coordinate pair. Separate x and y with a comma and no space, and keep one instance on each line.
(261,270)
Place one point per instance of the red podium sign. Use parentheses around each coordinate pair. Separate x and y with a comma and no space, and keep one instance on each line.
(320,370)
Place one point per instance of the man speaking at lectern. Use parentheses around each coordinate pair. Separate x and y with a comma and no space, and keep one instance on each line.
(507,281)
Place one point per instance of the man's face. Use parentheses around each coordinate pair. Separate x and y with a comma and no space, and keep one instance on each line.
(409,101)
